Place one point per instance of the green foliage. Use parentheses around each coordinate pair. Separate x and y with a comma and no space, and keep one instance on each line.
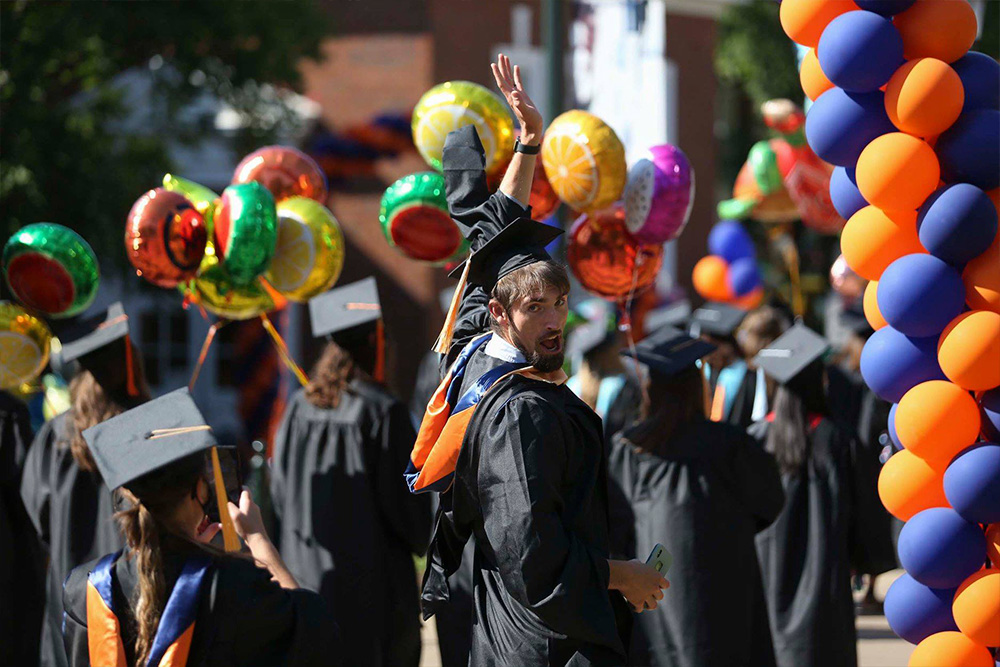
(63,158)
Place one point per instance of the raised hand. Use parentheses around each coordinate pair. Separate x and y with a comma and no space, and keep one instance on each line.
(508,80)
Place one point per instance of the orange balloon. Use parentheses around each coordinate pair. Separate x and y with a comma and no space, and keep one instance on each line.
(908,484)
(873,239)
(814,81)
(711,278)
(993,544)
(936,420)
(897,172)
(950,649)
(969,350)
(976,607)
(751,300)
(942,29)
(982,279)
(804,20)
(924,97)
(870,305)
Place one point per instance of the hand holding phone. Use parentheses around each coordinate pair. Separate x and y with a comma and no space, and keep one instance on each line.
(660,559)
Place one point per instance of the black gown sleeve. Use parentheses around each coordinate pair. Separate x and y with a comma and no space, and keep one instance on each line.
(758,480)
(75,616)
(36,491)
(871,533)
(279,464)
(543,565)
(407,514)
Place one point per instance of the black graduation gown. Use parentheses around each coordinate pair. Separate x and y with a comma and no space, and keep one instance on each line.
(72,510)
(807,554)
(348,524)
(243,618)
(703,499)
(22,576)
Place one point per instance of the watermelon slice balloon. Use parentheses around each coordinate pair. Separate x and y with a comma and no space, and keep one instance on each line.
(415,219)
(246,231)
(51,269)
(659,195)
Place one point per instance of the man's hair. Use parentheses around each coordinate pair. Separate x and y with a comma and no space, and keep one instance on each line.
(528,280)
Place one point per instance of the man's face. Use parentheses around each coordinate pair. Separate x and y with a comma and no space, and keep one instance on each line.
(534,324)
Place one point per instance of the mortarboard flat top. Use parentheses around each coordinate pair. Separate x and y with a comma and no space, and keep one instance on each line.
(519,244)
(791,353)
(717,319)
(86,336)
(345,307)
(668,350)
(148,437)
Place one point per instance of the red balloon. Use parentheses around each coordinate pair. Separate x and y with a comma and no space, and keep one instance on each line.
(285,171)
(607,260)
(165,237)
(544,199)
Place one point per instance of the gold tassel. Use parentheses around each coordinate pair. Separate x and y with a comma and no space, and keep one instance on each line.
(230,540)
(443,341)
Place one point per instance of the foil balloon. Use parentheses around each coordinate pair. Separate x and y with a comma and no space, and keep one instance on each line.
(309,253)
(659,195)
(165,237)
(245,230)
(216,291)
(584,161)
(607,260)
(284,171)
(454,104)
(845,281)
(203,199)
(544,200)
(415,219)
(24,345)
(51,269)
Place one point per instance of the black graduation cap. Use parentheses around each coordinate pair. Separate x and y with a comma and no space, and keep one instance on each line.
(588,337)
(791,353)
(345,308)
(673,314)
(100,344)
(148,437)
(519,244)
(668,350)
(716,319)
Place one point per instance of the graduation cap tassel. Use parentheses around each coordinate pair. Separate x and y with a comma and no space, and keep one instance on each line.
(443,341)
(230,540)
(282,348)
(133,390)
(380,351)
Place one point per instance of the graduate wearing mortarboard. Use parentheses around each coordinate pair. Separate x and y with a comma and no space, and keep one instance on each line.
(348,526)
(518,458)
(64,494)
(703,490)
(168,598)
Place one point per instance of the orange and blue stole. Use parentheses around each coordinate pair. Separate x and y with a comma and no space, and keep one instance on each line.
(172,642)
(439,440)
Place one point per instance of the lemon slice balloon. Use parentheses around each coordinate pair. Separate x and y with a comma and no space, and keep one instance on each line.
(309,253)
(584,161)
(24,345)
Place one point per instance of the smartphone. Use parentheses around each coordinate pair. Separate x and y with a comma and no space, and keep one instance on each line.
(660,559)
(231,465)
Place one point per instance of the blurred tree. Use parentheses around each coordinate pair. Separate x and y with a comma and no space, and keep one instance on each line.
(65,155)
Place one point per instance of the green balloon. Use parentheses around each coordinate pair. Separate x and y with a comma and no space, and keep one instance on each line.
(202,198)
(735,209)
(246,231)
(764,164)
(415,219)
(51,269)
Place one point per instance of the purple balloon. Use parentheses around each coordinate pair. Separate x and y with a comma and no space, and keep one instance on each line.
(859,51)
(915,611)
(919,295)
(885,7)
(972,483)
(940,549)
(893,363)
(729,240)
(844,192)
(891,427)
(744,277)
(659,195)
(969,150)
(980,76)
(989,410)
(957,223)
(840,124)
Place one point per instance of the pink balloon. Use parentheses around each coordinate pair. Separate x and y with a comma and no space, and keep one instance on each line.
(844,281)
(659,194)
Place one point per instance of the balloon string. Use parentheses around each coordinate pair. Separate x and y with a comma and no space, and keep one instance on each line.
(380,352)
(626,325)
(209,337)
(282,348)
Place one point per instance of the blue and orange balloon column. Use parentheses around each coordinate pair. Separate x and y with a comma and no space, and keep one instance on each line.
(911,118)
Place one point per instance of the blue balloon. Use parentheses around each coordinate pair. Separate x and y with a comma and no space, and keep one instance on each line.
(980,77)
(893,363)
(840,124)
(972,483)
(957,223)
(744,276)
(989,410)
(729,240)
(940,549)
(859,51)
(915,612)
(885,7)
(891,427)
(844,192)
(919,295)
(969,150)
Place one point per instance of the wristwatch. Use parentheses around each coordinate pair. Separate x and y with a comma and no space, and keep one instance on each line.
(527,149)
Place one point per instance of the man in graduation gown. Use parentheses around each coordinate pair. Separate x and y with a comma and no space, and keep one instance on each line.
(530,479)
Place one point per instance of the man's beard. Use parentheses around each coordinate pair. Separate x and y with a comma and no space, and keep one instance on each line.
(544,363)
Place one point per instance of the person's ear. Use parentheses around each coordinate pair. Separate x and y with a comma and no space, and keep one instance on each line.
(498,313)
(202,491)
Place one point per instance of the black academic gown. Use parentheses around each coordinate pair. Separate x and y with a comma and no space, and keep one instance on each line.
(72,510)
(243,619)
(704,499)
(807,554)
(348,524)
(22,576)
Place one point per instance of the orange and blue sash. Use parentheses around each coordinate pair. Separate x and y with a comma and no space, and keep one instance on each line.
(176,629)
(439,440)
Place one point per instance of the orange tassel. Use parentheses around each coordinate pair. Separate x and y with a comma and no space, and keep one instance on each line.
(443,342)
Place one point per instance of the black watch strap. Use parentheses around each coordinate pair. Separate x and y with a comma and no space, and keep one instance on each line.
(525,148)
